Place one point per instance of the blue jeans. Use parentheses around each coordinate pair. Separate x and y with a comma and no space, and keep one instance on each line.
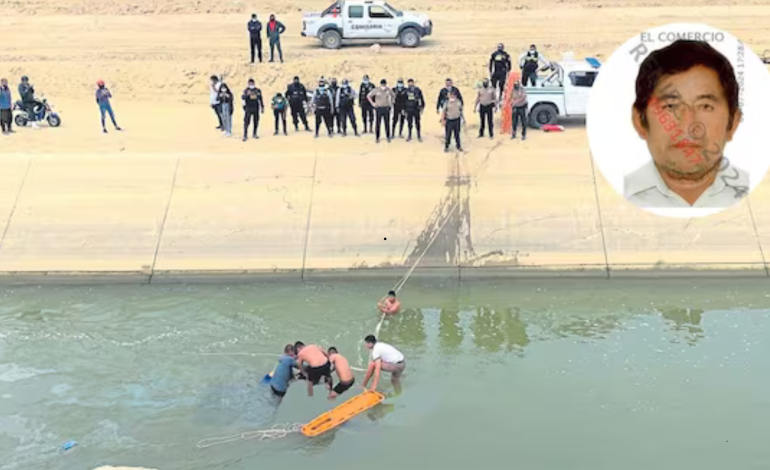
(104,109)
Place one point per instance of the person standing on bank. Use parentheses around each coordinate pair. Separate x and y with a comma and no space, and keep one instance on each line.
(499,67)
(253,106)
(399,105)
(486,104)
(452,119)
(345,103)
(6,107)
(279,111)
(367,111)
(529,63)
(334,88)
(274,31)
(103,96)
(443,95)
(381,100)
(520,106)
(214,99)
(323,101)
(297,95)
(414,106)
(255,37)
(226,99)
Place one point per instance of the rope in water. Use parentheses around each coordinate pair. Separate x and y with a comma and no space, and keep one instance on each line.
(400,284)
(276,432)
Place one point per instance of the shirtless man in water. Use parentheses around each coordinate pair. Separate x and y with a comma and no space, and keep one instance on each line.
(390,304)
(313,364)
(344,373)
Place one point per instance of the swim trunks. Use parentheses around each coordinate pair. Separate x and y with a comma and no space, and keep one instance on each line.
(341,387)
(314,374)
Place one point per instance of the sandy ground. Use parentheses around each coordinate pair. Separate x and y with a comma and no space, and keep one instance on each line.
(170,193)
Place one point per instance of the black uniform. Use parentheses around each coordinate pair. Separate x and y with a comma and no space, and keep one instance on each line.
(529,70)
(399,112)
(414,105)
(346,109)
(323,110)
(253,106)
(27,94)
(367,111)
(443,96)
(297,95)
(335,111)
(255,38)
(499,66)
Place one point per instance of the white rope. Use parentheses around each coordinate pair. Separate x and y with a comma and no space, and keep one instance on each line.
(408,274)
(276,432)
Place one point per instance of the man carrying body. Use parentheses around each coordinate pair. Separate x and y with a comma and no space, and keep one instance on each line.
(284,372)
(415,105)
(253,106)
(529,63)
(687,109)
(313,364)
(322,107)
(297,95)
(390,304)
(274,30)
(344,374)
(486,104)
(384,357)
(520,105)
(367,110)
(346,99)
(27,94)
(499,67)
(399,106)
(452,119)
(381,100)
(255,37)
(443,95)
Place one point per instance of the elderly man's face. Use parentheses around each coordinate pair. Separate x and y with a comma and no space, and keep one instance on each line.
(688,118)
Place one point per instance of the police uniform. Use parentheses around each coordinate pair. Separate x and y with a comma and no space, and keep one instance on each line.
(399,114)
(346,97)
(367,111)
(252,106)
(499,66)
(279,112)
(324,107)
(414,105)
(297,96)
(529,70)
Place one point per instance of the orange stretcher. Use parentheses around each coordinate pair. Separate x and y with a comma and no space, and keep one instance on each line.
(336,416)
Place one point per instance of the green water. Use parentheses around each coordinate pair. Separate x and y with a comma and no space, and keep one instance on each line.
(530,375)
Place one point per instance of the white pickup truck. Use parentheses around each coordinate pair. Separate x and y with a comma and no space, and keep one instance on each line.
(566,96)
(366,20)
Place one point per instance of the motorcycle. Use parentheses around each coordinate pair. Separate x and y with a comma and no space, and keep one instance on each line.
(43,112)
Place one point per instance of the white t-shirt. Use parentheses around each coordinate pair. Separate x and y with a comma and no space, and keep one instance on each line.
(214,93)
(387,353)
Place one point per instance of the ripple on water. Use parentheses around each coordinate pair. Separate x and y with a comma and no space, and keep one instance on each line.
(14,373)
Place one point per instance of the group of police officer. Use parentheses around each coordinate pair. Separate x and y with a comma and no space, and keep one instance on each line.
(334,104)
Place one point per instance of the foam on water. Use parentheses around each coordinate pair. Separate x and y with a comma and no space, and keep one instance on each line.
(14,373)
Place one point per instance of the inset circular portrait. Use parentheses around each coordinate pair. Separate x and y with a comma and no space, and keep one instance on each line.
(676,120)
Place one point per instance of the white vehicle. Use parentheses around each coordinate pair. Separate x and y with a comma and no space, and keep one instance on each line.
(366,20)
(565,96)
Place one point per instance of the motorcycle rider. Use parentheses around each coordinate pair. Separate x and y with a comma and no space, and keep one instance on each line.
(297,95)
(367,111)
(28,101)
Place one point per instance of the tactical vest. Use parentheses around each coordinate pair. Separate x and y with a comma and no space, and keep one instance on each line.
(322,101)
(252,98)
(413,98)
(345,97)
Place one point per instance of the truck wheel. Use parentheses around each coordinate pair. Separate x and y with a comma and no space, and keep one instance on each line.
(543,114)
(331,39)
(20,120)
(409,38)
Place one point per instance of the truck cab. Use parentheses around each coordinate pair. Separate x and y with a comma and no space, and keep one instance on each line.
(366,20)
(566,96)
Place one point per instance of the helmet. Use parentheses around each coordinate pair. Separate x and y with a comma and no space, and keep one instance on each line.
(100,83)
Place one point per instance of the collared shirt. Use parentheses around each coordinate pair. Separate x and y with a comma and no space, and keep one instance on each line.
(487,96)
(519,98)
(646,188)
(453,109)
(382,98)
